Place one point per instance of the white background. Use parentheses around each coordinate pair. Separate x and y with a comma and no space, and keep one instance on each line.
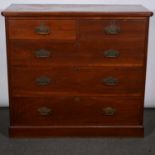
(150,81)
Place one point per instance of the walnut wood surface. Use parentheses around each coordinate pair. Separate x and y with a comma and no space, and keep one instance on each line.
(95,29)
(76,111)
(75,131)
(79,54)
(77,80)
(76,93)
(59,29)
(76,10)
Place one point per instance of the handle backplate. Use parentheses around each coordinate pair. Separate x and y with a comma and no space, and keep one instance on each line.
(43,81)
(110,81)
(42,53)
(42,29)
(112,29)
(109,111)
(44,111)
(111,53)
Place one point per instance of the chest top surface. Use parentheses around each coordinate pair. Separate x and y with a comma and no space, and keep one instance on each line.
(31,10)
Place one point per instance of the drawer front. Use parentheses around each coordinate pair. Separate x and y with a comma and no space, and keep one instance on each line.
(76,79)
(75,110)
(42,29)
(98,30)
(43,52)
(107,53)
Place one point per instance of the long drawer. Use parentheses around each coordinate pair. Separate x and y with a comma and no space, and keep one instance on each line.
(75,110)
(99,30)
(54,29)
(46,52)
(109,80)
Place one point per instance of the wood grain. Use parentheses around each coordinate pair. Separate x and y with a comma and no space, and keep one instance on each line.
(23,53)
(77,80)
(94,30)
(80,111)
(59,29)
(73,97)
(75,131)
(34,10)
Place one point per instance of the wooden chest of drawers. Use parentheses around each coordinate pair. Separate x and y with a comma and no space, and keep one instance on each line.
(76,70)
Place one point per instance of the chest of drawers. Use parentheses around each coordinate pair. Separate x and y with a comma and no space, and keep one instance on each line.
(76,70)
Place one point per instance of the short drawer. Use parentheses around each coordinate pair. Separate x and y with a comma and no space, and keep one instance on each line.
(42,29)
(75,110)
(108,80)
(116,54)
(41,53)
(98,30)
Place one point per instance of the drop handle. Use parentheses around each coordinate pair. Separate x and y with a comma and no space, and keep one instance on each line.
(44,111)
(43,81)
(111,53)
(110,81)
(42,29)
(112,29)
(109,111)
(42,53)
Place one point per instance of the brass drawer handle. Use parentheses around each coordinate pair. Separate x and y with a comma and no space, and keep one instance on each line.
(43,81)
(44,111)
(42,29)
(42,53)
(110,81)
(109,111)
(112,29)
(111,53)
